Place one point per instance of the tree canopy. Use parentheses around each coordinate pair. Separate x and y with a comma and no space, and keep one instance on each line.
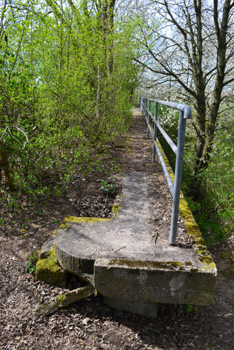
(66,78)
(191,47)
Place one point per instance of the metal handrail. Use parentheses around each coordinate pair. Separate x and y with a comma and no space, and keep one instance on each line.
(185,113)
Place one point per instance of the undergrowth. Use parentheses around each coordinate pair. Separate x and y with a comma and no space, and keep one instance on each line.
(31,263)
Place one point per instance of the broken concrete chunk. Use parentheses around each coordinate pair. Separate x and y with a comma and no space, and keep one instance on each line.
(66,299)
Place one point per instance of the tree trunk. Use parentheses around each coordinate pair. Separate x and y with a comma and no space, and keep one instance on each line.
(5,166)
(207,127)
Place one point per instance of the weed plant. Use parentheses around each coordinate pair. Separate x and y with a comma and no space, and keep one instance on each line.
(31,263)
(107,187)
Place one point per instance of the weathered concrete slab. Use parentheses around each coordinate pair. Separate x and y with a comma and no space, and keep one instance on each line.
(124,260)
(151,281)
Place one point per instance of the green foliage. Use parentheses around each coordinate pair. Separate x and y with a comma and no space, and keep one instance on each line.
(107,187)
(215,217)
(190,308)
(31,264)
(65,84)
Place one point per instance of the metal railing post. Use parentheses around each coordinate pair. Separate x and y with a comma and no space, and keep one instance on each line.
(148,126)
(185,113)
(145,115)
(178,176)
(155,131)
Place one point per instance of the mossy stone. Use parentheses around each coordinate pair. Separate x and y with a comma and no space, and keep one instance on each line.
(49,271)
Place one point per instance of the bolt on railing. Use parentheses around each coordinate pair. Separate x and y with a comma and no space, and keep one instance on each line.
(185,113)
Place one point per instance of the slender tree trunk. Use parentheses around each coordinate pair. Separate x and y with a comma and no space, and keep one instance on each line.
(5,166)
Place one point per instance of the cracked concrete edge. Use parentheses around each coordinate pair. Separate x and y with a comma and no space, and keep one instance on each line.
(198,243)
(150,282)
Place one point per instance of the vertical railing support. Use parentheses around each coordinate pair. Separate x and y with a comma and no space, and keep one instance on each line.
(155,131)
(148,131)
(145,114)
(178,177)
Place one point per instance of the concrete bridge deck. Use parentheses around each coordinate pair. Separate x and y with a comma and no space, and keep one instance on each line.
(130,261)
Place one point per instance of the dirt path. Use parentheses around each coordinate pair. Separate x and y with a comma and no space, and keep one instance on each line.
(89,324)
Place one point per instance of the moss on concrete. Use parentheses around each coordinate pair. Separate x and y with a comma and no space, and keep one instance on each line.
(49,271)
(74,219)
(64,300)
(64,225)
(74,295)
(61,299)
(115,211)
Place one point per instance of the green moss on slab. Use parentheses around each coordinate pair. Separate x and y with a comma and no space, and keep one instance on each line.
(200,241)
(74,295)
(60,299)
(65,299)
(209,265)
(49,271)
(176,264)
(115,211)
(64,226)
(195,235)
(202,251)
(74,219)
